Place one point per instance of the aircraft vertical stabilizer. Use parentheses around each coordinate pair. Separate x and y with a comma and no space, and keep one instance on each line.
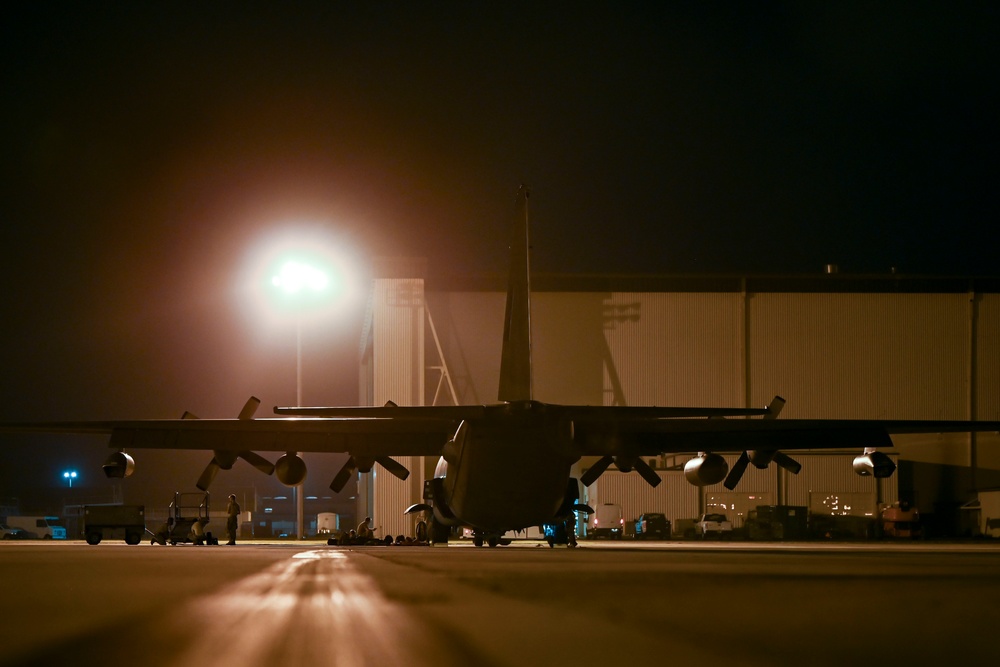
(515,360)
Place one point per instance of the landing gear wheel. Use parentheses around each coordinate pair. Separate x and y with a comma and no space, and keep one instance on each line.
(478,540)
(493,540)
(439,532)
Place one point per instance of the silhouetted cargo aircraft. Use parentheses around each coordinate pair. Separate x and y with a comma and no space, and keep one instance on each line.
(507,466)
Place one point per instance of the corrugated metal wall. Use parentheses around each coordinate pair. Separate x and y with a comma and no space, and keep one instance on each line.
(398,316)
(861,356)
(674,349)
(470,327)
(988,356)
(569,351)
(987,376)
(398,341)
(843,355)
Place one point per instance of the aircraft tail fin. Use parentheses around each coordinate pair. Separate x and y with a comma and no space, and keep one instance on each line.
(515,360)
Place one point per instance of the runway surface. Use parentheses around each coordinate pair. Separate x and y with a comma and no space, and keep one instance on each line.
(687,603)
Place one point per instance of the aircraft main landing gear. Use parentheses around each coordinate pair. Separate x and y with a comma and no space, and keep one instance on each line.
(492,539)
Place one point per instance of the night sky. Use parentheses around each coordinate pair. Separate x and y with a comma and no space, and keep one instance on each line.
(156,156)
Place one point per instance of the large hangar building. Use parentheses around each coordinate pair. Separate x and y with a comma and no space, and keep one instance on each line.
(834,345)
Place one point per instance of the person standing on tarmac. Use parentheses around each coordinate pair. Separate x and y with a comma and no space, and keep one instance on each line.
(233,518)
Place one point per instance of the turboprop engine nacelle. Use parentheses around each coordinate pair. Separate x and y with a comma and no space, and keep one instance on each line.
(706,469)
(874,464)
(290,469)
(119,465)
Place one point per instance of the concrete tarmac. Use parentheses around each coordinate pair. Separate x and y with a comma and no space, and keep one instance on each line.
(683,603)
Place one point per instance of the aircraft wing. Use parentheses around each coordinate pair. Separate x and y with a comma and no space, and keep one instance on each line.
(624,440)
(453,413)
(643,435)
(360,436)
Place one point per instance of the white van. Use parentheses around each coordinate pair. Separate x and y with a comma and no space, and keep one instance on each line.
(607,522)
(39,527)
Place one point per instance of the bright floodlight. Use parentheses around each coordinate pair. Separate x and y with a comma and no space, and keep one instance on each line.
(295,277)
(69,476)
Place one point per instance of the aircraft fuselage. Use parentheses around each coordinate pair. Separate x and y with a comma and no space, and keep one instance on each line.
(512,469)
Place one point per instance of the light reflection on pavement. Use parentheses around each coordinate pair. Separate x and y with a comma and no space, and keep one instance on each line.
(600,604)
(314,608)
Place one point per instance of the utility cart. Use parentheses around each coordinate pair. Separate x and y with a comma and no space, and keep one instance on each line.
(186,521)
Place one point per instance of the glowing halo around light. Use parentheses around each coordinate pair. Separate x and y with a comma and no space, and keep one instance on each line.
(300,274)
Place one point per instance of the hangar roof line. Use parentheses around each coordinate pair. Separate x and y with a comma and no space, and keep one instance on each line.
(805,283)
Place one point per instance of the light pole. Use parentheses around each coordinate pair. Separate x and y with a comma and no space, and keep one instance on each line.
(69,476)
(300,282)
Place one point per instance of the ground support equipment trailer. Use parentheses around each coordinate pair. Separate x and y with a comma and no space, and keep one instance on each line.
(126,522)
(186,521)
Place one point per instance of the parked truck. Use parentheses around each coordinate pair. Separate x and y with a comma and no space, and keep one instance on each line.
(123,522)
(652,526)
(777,522)
(714,525)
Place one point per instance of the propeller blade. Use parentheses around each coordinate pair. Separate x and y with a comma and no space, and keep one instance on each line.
(647,473)
(787,462)
(258,462)
(208,475)
(393,467)
(596,470)
(249,408)
(736,472)
(774,407)
(344,476)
